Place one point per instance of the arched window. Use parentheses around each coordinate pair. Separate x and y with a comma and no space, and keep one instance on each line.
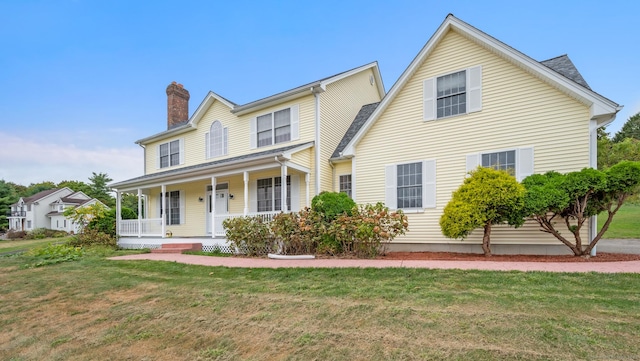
(216,140)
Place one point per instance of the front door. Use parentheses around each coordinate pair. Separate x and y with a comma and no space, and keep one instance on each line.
(221,208)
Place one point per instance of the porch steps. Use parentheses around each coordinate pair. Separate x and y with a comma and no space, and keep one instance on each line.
(178,248)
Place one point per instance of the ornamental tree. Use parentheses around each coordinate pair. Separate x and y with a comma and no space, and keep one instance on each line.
(571,199)
(486,197)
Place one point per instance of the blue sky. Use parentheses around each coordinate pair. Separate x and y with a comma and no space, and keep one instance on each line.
(81,81)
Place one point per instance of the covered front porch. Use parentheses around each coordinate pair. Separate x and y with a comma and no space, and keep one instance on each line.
(191,205)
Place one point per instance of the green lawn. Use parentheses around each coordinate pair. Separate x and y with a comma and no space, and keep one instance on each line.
(625,224)
(19,245)
(114,310)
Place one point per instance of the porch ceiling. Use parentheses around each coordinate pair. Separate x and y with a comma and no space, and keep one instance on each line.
(248,162)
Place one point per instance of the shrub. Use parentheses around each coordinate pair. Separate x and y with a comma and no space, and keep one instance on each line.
(332,204)
(366,233)
(16,234)
(249,235)
(91,237)
(53,254)
(297,233)
(41,233)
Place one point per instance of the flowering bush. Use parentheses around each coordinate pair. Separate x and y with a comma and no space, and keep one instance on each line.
(367,232)
(249,235)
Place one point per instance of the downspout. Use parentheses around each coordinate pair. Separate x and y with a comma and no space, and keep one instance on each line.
(333,175)
(144,154)
(593,163)
(316,93)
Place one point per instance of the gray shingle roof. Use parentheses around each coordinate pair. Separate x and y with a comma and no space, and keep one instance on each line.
(357,123)
(564,66)
(215,163)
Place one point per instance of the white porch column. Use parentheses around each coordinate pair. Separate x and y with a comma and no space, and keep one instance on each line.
(139,213)
(246,193)
(213,207)
(283,188)
(118,211)
(163,205)
(306,180)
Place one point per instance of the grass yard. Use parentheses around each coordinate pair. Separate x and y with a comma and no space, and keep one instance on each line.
(95,309)
(19,245)
(625,224)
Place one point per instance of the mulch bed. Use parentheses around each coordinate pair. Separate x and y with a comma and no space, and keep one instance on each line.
(451,256)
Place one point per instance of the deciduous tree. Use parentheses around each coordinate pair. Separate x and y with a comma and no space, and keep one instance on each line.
(630,129)
(8,196)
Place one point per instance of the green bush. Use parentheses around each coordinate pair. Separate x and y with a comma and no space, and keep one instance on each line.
(42,233)
(249,235)
(332,204)
(53,254)
(91,237)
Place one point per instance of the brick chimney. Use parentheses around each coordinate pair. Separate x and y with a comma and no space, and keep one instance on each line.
(177,105)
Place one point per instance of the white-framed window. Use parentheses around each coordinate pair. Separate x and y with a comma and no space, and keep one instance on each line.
(174,204)
(269,194)
(170,154)
(345,184)
(505,160)
(516,161)
(280,126)
(411,185)
(451,94)
(216,140)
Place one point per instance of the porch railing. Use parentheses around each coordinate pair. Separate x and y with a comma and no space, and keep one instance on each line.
(150,227)
(219,218)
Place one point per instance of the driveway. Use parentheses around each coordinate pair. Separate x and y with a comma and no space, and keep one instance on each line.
(631,246)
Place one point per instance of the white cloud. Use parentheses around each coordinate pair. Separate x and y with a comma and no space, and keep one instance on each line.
(29,160)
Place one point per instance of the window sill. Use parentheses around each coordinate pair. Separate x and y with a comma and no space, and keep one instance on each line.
(411,210)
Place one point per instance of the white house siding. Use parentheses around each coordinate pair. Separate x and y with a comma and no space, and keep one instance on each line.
(338,107)
(518,111)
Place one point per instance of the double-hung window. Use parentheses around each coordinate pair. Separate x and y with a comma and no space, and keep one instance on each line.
(269,194)
(345,184)
(277,127)
(451,94)
(516,161)
(411,185)
(170,154)
(500,161)
(274,128)
(456,93)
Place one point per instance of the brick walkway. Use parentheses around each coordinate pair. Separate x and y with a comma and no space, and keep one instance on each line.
(601,267)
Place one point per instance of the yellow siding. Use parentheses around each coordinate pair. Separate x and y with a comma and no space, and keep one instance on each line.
(339,105)
(518,111)
(342,168)
(238,133)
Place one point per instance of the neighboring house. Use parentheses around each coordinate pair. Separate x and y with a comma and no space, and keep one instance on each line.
(45,210)
(229,160)
(57,208)
(466,100)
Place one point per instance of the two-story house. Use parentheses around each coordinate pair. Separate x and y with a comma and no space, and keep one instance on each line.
(46,210)
(466,100)
(229,160)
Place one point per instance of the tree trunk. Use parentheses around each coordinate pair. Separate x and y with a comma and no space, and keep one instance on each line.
(486,246)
